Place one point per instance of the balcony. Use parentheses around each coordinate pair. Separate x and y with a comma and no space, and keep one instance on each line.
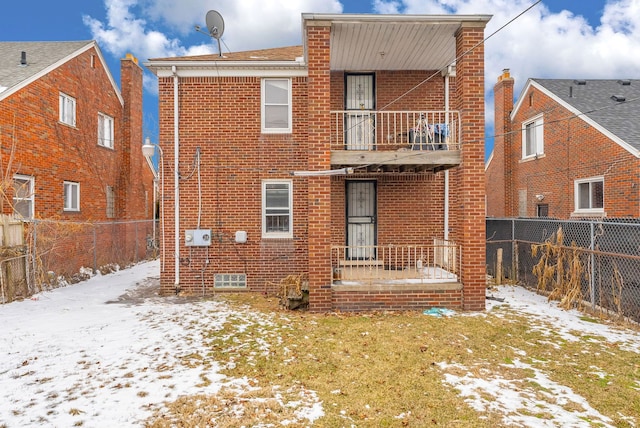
(396,265)
(395,141)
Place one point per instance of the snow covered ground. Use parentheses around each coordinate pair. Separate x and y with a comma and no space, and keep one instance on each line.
(83,353)
(107,352)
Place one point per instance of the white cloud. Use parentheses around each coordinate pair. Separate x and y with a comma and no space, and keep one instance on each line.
(542,44)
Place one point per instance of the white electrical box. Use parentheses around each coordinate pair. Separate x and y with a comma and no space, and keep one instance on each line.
(241,237)
(197,238)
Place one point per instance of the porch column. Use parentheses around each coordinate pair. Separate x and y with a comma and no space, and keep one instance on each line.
(319,158)
(471,179)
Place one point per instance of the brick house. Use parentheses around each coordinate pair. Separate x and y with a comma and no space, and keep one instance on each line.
(355,161)
(566,149)
(71,141)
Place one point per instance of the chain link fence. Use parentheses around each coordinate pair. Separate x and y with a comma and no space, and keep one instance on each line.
(590,263)
(61,252)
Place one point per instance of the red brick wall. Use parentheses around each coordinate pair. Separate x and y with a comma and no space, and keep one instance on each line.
(396,300)
(220,117)
(497,182)
(572,150)
(468,184)
(234,160)
(52,152)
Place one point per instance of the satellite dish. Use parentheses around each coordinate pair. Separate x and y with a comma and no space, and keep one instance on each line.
(215,26)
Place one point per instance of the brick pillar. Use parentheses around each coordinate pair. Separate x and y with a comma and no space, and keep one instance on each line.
(134,178)
(499,178)
(319,158)
(471,183)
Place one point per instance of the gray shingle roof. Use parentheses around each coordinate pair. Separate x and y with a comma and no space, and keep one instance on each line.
(39,55)
(595,100)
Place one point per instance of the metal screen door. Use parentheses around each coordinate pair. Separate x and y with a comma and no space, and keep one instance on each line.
(360,120)
(361,220)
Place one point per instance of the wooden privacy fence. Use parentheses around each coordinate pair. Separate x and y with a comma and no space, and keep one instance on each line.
(13,257)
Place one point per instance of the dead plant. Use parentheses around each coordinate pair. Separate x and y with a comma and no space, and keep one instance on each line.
(559,270)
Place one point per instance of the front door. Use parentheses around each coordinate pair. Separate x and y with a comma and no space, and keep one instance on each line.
(361,220)
(360,118)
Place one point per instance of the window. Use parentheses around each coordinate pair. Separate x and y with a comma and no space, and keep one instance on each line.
(277,215)
(111,202)
(542,210)
(589,195)
(23,195)
(276,105)
(71,196)
(532,138)
(67,109)
(105,130)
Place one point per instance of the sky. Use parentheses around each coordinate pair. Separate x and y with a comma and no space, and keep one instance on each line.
(554,39)
(109,351)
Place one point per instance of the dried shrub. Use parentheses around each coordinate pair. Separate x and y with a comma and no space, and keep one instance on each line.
(559,270)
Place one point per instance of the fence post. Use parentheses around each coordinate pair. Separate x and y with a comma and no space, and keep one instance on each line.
(95,250)
(34,253)
(499,266)
(592,281)
(514,253)
(135,258)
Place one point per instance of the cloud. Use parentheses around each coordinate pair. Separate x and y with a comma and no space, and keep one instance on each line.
(165,28)
(542,44)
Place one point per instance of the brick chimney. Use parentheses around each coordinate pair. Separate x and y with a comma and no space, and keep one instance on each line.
(499,179)
(131,183)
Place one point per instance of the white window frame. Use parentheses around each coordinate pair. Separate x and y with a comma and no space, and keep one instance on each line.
(266,104)
(577,194)
(288,234)
(105,130)
(28,184)
(71,196)
(537,125)
(67,107)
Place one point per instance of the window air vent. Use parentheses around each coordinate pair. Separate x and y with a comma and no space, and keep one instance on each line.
(624,82)
(580,82)
(618,98)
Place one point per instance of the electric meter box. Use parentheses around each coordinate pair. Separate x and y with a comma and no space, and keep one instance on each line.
(197,238)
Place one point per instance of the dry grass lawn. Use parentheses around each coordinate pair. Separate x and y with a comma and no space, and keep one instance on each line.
(390,370)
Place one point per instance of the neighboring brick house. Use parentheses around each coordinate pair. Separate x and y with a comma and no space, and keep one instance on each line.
(355,160)
(566,149)
(70,141)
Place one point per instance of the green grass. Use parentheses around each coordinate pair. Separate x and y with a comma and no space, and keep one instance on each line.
(384,369)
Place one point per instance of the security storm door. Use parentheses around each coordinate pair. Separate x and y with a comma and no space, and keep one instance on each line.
(361,220)
(360,117)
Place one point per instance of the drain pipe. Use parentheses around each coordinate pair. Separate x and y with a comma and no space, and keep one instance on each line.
(446,172)
(176,178)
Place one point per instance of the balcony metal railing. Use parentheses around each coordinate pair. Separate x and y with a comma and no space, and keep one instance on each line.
(396,264)
(392,130)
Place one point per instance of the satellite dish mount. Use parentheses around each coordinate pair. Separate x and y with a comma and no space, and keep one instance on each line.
(215,26)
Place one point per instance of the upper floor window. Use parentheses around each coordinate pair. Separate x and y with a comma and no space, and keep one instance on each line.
(105,130)
(67,109)
(589,195)
(23,195)
(276,105)
(71,196)
(277,209)
(532,138)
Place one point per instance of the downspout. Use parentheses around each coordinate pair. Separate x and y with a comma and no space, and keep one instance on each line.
(176,178)
(446,172)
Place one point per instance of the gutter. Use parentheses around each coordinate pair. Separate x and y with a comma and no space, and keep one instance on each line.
(176,178)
